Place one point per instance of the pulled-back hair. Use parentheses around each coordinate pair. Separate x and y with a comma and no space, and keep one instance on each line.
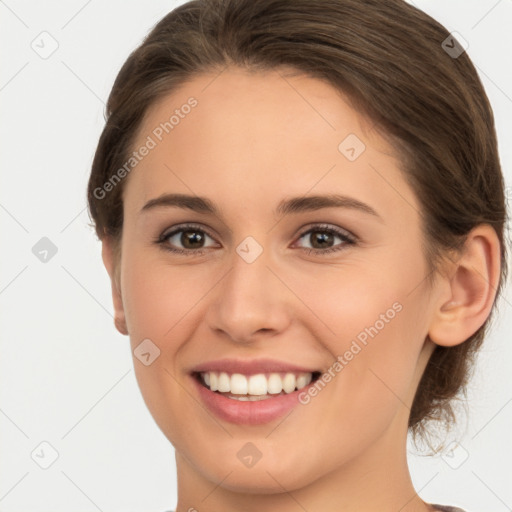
(394,65)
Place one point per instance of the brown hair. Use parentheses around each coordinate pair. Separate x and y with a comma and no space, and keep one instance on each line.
(389,60)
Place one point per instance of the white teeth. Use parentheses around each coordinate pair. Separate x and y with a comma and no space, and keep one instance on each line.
(302,380)
(249,398)
(274,384)
(213,380)
(257,385)
(254,386)
(238,384)
(289,383)
(223,384)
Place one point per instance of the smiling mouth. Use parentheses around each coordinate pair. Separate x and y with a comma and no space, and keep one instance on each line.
(255,387)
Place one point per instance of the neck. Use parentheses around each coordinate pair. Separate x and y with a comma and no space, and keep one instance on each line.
(377,480)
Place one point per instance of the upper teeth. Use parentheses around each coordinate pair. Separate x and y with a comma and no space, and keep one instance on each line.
(259,384)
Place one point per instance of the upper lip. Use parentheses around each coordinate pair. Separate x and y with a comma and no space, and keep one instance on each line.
(251,366)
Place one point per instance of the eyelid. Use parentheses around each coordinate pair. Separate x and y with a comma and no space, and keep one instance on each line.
(302,232)
(183,227)
(328,227)
(346,236)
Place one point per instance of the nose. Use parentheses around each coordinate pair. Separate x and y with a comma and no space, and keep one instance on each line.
(250,301)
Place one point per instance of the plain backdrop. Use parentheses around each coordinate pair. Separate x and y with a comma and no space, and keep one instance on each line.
(68,395)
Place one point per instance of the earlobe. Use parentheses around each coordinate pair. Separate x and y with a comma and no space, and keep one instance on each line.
(470,290)
(112,262)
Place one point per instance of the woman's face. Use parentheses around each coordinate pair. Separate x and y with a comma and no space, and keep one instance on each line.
(304,283)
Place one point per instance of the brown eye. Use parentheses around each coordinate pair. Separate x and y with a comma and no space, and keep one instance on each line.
(189,240)
(322,239)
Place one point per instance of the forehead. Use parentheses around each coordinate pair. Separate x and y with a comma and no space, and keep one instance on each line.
(260,136)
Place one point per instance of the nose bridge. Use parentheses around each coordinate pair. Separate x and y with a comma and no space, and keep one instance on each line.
(249,298)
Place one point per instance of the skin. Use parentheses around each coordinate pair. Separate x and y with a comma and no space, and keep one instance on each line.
(253,140)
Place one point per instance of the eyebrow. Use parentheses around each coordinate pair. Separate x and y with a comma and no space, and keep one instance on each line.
(288,206)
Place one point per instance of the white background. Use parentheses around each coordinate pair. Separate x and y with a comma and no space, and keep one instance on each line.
(66,374)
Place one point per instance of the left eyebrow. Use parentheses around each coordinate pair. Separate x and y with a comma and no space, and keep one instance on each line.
(309,203)
(285,207)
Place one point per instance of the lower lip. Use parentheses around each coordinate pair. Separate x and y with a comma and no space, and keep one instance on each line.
(246,412)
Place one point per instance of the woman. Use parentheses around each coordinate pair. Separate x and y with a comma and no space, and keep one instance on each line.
(301,210)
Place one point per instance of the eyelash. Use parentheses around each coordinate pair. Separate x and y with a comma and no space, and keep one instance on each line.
(347,238)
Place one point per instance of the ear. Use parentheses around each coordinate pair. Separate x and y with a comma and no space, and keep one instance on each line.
(112,264)
(468,295)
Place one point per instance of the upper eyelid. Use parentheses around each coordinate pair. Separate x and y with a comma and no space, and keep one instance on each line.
(326,226)
(184,227)
(309,227)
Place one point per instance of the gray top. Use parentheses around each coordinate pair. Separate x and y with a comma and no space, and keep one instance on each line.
(441,508)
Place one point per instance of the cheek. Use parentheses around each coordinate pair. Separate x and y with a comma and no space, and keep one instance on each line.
(374,352)
(368,315)
(159,304)
(156,296)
